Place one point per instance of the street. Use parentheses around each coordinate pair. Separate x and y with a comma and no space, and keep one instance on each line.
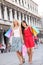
(12,59)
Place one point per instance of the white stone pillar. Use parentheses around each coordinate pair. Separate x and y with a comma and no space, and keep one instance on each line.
(23,16)
(19,16)
(11,16)
(21,2)
(5,14)
(18,1)
(15,14)
(0,12)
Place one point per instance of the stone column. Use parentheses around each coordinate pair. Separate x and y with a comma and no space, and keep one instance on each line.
(23,16)
(5,14)
(11,16)
(18,1)
(21,2)
(15,14)
(19,16)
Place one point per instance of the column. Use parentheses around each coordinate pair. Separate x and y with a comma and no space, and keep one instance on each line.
(29,19)
(11,16)
(21,2)
(23,16)
(18,1)
(19,16)
(0,12)
(5,14)
(15,14)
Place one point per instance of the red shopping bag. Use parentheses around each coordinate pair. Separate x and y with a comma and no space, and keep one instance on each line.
(24,50)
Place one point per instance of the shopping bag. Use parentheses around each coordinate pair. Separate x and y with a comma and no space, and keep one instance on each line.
(34,32)
(36,29)
(8,33)
(24,50)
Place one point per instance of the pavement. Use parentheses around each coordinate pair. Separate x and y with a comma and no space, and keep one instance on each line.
(12,59)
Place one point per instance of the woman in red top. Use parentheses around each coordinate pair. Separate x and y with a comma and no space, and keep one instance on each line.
(28,39)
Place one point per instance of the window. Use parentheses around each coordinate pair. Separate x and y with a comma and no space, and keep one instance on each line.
(19,2)
(2,9)
(12,0)
(28,5)
(33,8)
(23,2)
(21,16)
(35,19)
(8,13)
(15,0)
(25,17)
(17,14)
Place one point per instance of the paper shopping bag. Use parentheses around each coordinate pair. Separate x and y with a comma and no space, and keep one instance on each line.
(24,50)
(8,33)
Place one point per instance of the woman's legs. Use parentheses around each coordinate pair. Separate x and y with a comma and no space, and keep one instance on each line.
(30,54)
(19,54)
(23,60)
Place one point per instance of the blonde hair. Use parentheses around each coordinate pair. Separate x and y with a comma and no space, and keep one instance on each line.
(18,23)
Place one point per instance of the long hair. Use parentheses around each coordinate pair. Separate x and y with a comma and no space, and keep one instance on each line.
(13,25)
(22,27)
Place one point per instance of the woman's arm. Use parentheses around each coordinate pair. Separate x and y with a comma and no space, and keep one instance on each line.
(31,30)
(12,32)
(21,35)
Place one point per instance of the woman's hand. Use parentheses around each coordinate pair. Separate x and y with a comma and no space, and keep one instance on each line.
(12,34)
(22,41)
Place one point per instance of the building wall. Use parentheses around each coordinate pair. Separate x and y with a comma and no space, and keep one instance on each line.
(19,9)
(28,4)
